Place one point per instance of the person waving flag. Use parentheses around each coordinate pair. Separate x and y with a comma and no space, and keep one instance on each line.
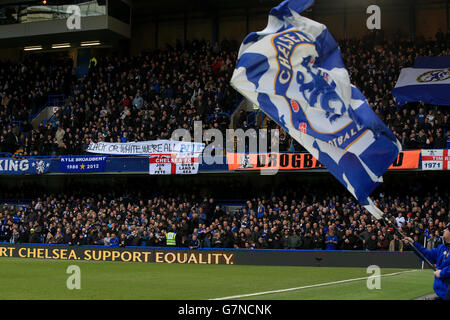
(293,70)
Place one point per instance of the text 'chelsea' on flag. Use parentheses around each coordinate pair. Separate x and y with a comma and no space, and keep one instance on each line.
(293,70)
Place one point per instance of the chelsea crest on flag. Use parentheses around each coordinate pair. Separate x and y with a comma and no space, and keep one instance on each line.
(293,70)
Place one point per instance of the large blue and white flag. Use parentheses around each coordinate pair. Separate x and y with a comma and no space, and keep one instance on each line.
(428,81)
(293,70)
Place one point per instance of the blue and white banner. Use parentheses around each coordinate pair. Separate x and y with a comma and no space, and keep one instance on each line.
(428,81)
(293,70)
(82,164)
(24,166)
(432,62)
(146,147)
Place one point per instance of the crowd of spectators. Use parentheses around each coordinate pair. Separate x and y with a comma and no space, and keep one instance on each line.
(288,220)
(24,90)
(128,99)
(374,66)
(375,71)
(147,97)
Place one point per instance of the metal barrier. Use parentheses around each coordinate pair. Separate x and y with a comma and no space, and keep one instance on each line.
(20,123)
(5,154)
(51,100)
(15,202)
(254,114)
(238,104)
(220,114)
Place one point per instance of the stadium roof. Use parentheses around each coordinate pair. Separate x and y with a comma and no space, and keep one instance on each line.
(151,8)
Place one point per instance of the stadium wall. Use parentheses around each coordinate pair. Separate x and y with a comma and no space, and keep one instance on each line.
(311,258)
(344,19)
(430,18)
(11,54)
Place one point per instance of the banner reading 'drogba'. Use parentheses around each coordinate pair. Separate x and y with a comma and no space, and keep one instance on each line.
(145,147)
(435,159)
(161,164)
(303,161)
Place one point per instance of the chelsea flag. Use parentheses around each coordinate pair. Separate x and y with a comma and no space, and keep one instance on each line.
(293,70)
(428,81)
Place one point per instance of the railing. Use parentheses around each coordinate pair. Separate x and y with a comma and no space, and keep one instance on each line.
(5,154)
(253,115)
(57,157)
(237,105)
(15,202)
(220,114)
(20,123)
(54,99)
(52,120)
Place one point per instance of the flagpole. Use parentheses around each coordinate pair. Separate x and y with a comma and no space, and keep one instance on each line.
(424,259)
(379,215)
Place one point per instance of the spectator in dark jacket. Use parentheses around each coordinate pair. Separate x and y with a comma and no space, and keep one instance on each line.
(440,142)
(371,244)
(194,243)
(74,240)
(307,241)
(383,243)
(348,241)
(294,241)
(217,240)
(123,240)
(93,238)
(34,237)
(318,241)
(134,239)
(67,236)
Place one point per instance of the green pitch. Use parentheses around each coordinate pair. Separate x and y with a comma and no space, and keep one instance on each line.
(46,279)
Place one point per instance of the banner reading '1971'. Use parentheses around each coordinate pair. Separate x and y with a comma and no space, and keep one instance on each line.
(435,159)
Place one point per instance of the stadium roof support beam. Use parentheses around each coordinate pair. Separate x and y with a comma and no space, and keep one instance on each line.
(185,25)
(412,19)
(447,8)
(215,28)
(156,31)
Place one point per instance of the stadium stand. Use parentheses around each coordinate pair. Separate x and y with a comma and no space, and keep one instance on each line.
(374,63)
(148,96)
(293,217)
(121,100)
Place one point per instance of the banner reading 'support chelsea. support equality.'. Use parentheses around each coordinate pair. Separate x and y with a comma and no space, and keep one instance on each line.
(145,147)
